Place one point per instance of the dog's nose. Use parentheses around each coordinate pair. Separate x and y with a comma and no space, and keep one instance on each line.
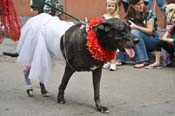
(136,40)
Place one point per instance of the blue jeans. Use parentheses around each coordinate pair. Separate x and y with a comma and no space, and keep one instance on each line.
(160,4)
(146,43)
(125,6)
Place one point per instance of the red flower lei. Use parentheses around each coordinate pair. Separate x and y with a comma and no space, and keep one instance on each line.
(95,49)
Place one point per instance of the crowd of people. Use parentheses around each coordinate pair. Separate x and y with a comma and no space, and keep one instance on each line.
(142,19)
(143,23)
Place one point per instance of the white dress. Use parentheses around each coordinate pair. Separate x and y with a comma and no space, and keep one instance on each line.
(39,45)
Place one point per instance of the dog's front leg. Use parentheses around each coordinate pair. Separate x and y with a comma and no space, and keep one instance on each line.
(96,83)
(66,77)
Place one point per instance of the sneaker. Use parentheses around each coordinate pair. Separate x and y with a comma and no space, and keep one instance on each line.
(113,67)
(106,66)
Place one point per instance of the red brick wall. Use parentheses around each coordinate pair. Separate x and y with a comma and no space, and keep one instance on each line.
(23,8)
(80,9)
(84,8)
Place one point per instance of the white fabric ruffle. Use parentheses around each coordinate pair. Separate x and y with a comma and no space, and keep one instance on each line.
(39,45)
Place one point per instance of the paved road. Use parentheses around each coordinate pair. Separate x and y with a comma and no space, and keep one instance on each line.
(126,92)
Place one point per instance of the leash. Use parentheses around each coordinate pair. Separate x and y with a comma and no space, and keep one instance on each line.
(41,1)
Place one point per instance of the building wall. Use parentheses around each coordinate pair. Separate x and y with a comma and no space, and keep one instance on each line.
(80,9)
(23,8)
(84,8)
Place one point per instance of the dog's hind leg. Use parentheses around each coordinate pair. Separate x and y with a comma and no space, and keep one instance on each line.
(66,77)
(96,83)
(28,85)
(44,92)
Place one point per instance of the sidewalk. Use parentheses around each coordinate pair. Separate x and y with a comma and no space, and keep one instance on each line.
(126,91)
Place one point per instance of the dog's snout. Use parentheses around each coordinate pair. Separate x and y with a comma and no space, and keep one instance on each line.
(136,40)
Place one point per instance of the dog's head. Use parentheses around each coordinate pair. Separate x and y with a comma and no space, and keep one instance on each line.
(115,34)
(169,9)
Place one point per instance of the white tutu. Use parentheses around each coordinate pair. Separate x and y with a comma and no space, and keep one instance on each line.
(39,44)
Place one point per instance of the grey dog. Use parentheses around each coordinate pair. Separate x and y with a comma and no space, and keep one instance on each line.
(112,34)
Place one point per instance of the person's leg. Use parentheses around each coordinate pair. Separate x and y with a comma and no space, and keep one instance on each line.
(157,61)
(125,6)
(152,44)
(160,4)
(113,64)
(157,55)
(140,50)
(121,58)
(169,52)
(150,4)
(169,48)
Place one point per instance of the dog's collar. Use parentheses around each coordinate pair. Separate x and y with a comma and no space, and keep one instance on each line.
(94,47)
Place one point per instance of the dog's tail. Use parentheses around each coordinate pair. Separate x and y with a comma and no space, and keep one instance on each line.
(11,54)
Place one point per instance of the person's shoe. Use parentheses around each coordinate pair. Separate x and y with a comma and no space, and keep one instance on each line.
(139,65)
(154,65)
(118,63)
(106,66)
(112,67)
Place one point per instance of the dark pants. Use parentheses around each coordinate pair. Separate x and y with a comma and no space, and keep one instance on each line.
(125,6)
(168,47)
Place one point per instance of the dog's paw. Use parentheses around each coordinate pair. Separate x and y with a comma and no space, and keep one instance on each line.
(60,99)
(46,94)
(103,109)
(29,92)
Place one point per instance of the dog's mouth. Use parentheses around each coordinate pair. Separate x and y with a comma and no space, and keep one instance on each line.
(130,52)
(128,49)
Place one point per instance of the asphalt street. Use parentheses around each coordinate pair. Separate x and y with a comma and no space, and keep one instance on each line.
(126,91)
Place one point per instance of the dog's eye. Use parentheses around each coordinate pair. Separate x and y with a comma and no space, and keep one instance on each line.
(101,27)
(107,29)
(171,10)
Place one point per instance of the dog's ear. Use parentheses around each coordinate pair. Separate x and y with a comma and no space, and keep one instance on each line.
(103,27)
(171,10)
(164,8)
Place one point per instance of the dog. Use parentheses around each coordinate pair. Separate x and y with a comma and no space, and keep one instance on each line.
(78,51)
(169,9)
(112,34)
